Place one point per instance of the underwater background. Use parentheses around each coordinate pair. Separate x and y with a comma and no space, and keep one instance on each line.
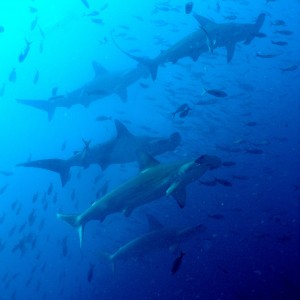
(248,117)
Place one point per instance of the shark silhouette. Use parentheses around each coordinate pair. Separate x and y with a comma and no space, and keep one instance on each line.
(154,181)
(209,36)
(121,149)
(159,237)
(105,83)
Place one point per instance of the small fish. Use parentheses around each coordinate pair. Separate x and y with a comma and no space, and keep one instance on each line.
(13,75)
(90,274)
(85,3)
(251,123)
(189,7)
(279,23)
(279,43)
(208,183)
(216,216)
(184,113)
(54,91)
(105,6)
(223,182)
(240,177)
(228,163)
(260,35)
(2,90)
(144,85)
(266,55)
(254,151)
(63,145)
(290,68)
(97,21)
(32,9)
(25,52)
(103,118)
(284,32)
(180,109)
(1,29)
(36,77)
(6,173)
(3,189)
(50,189)
(92,14)
(177,263)
(214,92)
(34,23)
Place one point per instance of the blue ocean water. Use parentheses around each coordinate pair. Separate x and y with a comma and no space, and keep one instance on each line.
(249,205)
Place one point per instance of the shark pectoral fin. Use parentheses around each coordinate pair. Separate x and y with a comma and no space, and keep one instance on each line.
(122,93)
(230,51)
(179,195)
(171,188)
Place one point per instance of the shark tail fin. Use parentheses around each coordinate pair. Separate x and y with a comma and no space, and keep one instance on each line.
(149,63)
(44,105)
(75,221)
(60,166)
(257,26)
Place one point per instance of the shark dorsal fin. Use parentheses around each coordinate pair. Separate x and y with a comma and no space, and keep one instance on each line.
(121,129)
(154,224)
(202,20)
(230,51)
(146,161)
(98,69)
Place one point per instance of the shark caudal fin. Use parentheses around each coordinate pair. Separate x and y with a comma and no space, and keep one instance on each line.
(44,105)
(60,166)
(75,221)
(149,63)
(257,26)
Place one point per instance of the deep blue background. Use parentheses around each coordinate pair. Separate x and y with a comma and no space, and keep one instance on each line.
(253,253)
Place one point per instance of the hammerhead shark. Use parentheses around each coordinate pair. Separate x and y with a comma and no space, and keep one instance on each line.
(209,36)
(158,237)
(120,149)
(154,181)
(105,83)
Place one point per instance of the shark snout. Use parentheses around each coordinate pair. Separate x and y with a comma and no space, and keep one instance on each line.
(211,161)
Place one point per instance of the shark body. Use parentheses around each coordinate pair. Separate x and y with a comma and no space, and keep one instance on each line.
(105,83)
(121,149)
(158,238)
(208,37)
(154,181)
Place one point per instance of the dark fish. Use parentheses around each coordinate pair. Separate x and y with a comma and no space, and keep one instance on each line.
(34,197)
(189,7)
(177,263)
(208,183)
(54,91)
(144,85)
(85,3)
(6,173)
(2,90)
(90,274)
(92,14)
(290,68)
(13,75)
(284,32)
(184,113)
(97,21)
(216,216)
(240,177)
(223,182)
(251,123)
(1,29)
(50,189)
(34,23)
(103,118)
(254,151)
(228,163)
(266,55)
(279,43)
(3,189)
(105,6)
(32,9)
(278,23)
(36,77)
(25,52)
(216,93)
(180,109)
(63,145)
